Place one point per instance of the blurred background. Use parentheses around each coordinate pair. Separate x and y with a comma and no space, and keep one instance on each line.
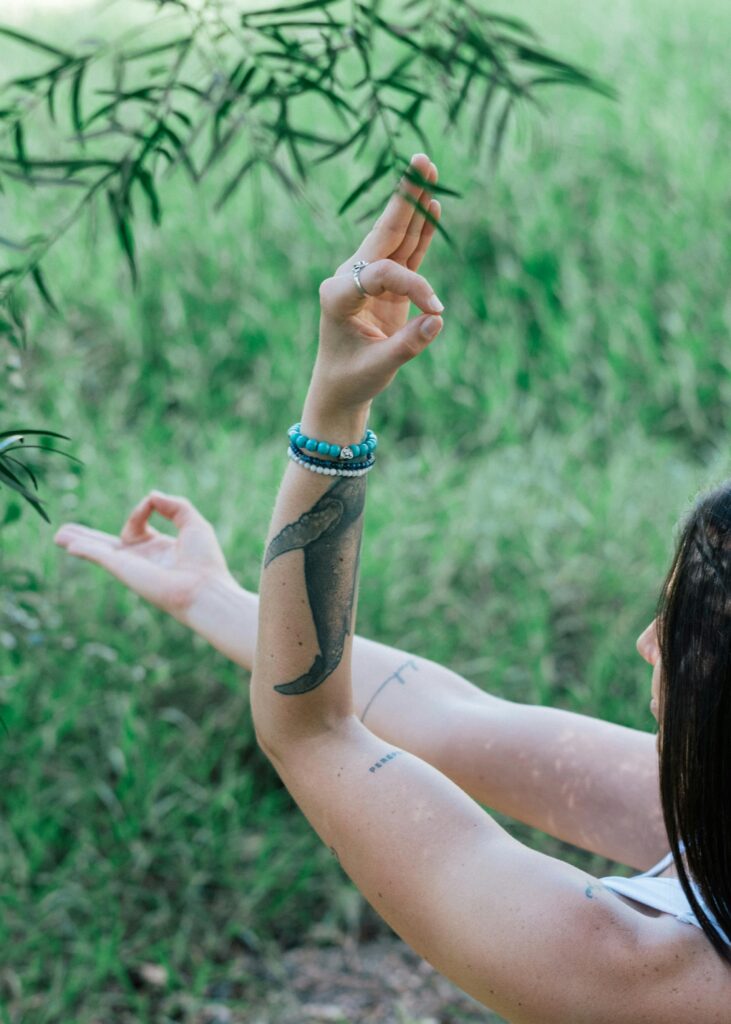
(535,462)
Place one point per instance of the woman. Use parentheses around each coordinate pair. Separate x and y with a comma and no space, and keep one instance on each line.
(380,749)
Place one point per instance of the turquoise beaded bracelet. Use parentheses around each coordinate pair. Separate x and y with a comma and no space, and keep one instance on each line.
(349,451)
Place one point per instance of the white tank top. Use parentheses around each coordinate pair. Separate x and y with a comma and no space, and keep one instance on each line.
(663,894)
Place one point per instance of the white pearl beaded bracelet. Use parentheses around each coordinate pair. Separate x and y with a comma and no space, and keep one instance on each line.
(334,470)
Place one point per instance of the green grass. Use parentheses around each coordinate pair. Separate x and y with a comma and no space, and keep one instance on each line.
(519,523)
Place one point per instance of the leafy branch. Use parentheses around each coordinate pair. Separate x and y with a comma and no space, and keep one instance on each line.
(15,473)
(213,92)
(222,88)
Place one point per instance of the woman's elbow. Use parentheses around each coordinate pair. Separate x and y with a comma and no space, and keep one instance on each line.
(263,732)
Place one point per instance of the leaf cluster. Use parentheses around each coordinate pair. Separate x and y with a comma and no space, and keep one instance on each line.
(16,474)
(223,86)
(206,88)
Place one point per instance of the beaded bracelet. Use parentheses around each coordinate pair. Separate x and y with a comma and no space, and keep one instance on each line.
(329,468)
(349,451)
(312,460)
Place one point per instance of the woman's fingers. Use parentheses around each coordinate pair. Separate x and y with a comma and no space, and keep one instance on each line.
(96,551)
(390,230)
(178,510)
(385,359)
(417,223)
(136,573)
(340,297)
(76,531)
(136,529)
(427,233)
(412,339)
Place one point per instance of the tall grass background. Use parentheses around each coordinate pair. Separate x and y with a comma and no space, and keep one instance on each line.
(534,463)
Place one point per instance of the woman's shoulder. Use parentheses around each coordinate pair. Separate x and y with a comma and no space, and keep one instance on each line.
(686,977)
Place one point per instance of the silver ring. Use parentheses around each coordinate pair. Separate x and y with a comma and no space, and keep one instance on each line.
(357,267)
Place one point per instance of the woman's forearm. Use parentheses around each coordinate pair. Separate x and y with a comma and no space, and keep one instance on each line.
(301,686)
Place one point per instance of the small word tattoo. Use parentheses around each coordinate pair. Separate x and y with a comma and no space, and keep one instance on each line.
(329,534)
(384,760)
(397,676)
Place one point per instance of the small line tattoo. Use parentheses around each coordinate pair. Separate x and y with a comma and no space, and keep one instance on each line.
(397,676)
(384,761)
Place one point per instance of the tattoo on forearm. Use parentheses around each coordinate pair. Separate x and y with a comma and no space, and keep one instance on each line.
(329,534)
(396,676)
(384,760)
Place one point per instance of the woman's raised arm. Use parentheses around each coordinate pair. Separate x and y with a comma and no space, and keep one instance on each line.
(535,939)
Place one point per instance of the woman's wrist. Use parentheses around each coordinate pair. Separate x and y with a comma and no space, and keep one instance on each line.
(328,420)
(225,614)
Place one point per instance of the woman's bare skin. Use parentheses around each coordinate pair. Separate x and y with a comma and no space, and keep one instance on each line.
(585,781)
(530,936)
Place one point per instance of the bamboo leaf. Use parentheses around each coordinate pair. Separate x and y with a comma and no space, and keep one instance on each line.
(412,175)
(9,479)
(21,156)
(514,23)
(413,201)
(54,451)
(149,51)
(76,116)
(287,181)
(71,165)
(304,5)
(383,166)
(40,282)
(8,243)
(125,235)
(148,185)
(9,442)
(51,97)
(38,44)
(12,325)
(456,106)
(340,147)
(483,112)
(26,469)
(235,181)
(33,432)
(500,128)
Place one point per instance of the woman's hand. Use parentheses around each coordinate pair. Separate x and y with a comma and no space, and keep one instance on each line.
(364,340)
(170,572)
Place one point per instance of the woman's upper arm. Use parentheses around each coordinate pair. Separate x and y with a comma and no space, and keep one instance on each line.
(533,938)
(586,781)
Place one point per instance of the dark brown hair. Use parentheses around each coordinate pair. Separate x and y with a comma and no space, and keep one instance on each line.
(694,633)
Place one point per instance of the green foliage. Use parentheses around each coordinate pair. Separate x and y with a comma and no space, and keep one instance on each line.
(216,84)
(373,77)
(18,476)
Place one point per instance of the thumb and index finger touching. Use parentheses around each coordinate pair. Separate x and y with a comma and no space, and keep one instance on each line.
(100,547)
(179,511)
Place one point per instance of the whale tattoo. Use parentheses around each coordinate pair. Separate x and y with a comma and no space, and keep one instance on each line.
(329,534)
